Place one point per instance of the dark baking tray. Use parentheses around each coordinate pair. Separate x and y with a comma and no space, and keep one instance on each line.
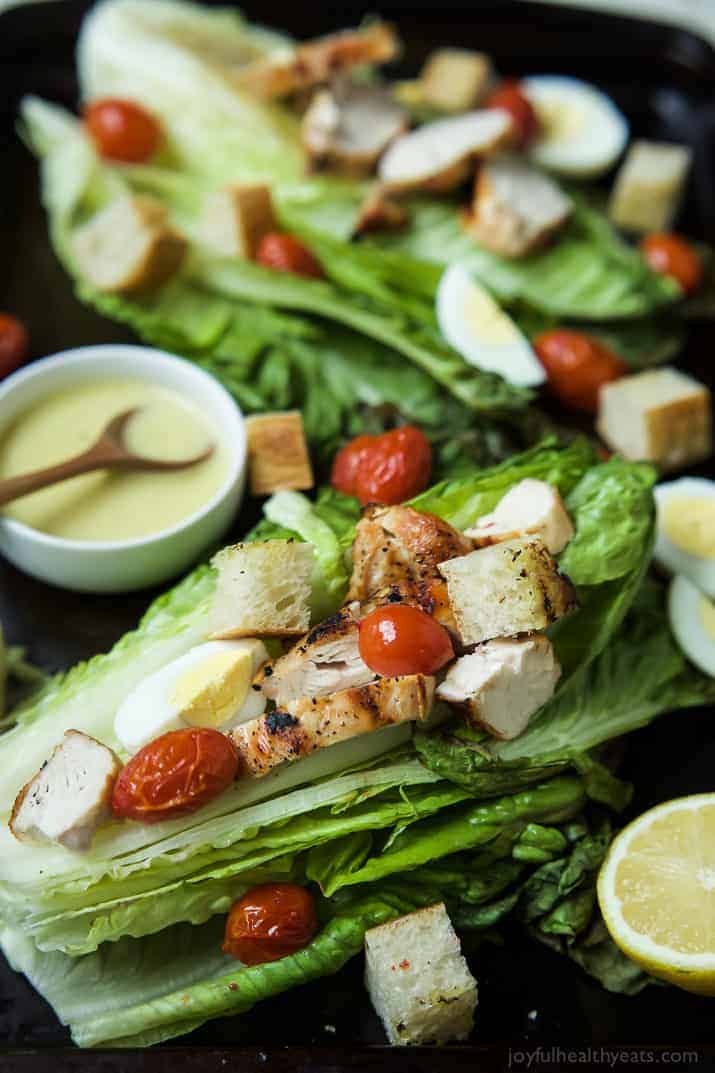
(663,78)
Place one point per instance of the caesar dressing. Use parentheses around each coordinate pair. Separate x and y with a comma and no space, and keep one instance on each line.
(106,506)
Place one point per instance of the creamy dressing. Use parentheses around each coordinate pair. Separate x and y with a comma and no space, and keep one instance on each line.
(689,523)
(106,506)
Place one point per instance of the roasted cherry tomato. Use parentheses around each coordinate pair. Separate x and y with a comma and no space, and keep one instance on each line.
(14,344)
(671,255)
(175,774)
(401,639)
(577,365)
(122,130)
(270,922)
(388,468)
(510,97)
(345,464)
(284,253)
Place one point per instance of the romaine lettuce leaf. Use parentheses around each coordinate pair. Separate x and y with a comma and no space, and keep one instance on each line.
(589,273)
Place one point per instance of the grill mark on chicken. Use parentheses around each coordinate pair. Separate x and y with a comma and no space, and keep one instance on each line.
(313,722)
(397,544)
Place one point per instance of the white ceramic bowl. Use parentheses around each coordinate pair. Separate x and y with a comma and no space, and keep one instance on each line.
(123,565)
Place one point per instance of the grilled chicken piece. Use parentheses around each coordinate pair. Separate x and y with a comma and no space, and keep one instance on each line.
(69,797)
(397,544)
(311,723)
(516,208)
(317,62)
(530,508)
(349,126)
(326,660)
(380,212)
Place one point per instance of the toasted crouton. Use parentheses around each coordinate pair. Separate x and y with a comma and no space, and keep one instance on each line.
(506,589)
(128,246)
(502,683)
(418,980)
(455,79)
(236,218)
(263,590)
(649,186)
(661,416)
(516,208)
(532,508)
(277,453)
(69,797)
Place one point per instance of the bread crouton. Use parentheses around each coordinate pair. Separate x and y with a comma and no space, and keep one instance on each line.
(506,589)
(649,186)
(418,980)
(455,79)
(502,683)
(661,416)
(530,508)
(236,218)
(277,453)
(262,590)
(128,246)
(69,797)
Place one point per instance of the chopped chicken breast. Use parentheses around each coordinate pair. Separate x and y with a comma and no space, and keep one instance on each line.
(440,155)
(429,594)
(380,212)
(311,723)
(530,508)
(69,797)
(396,544)
(317,62)
(506,589)
(516,208)
(128,246)
(326,660)
(348,127)
(502,683)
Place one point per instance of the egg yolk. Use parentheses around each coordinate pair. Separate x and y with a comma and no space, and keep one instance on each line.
(485,320)
(209,694)
(559,121)
(689,523)
(707,616)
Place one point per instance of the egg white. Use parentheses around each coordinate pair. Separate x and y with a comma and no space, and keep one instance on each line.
(474,324)
(151,708)
(687,606)
(583,133)
(676,560)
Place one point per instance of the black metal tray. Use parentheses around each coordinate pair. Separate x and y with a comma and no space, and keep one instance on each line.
(663,78)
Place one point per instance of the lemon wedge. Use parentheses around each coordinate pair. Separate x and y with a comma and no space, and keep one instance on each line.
(656,890)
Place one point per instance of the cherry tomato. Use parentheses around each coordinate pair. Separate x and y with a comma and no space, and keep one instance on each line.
(577,365)
(345,464)
(284,253)
(270,922)
(510,97)
(388,468)
(14,344)
(401,639)
(122,130)
(671,255)
(175,774)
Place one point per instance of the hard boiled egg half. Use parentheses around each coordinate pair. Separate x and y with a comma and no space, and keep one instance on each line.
(472,322)
(692,619)
(209,686)
(685,534)
(582,131)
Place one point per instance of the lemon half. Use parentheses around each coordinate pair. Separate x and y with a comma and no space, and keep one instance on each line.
(656,890)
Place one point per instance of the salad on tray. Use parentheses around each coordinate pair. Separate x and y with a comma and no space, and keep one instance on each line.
(382,721)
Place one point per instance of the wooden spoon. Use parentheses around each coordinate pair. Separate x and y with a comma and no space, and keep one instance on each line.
(109,451)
